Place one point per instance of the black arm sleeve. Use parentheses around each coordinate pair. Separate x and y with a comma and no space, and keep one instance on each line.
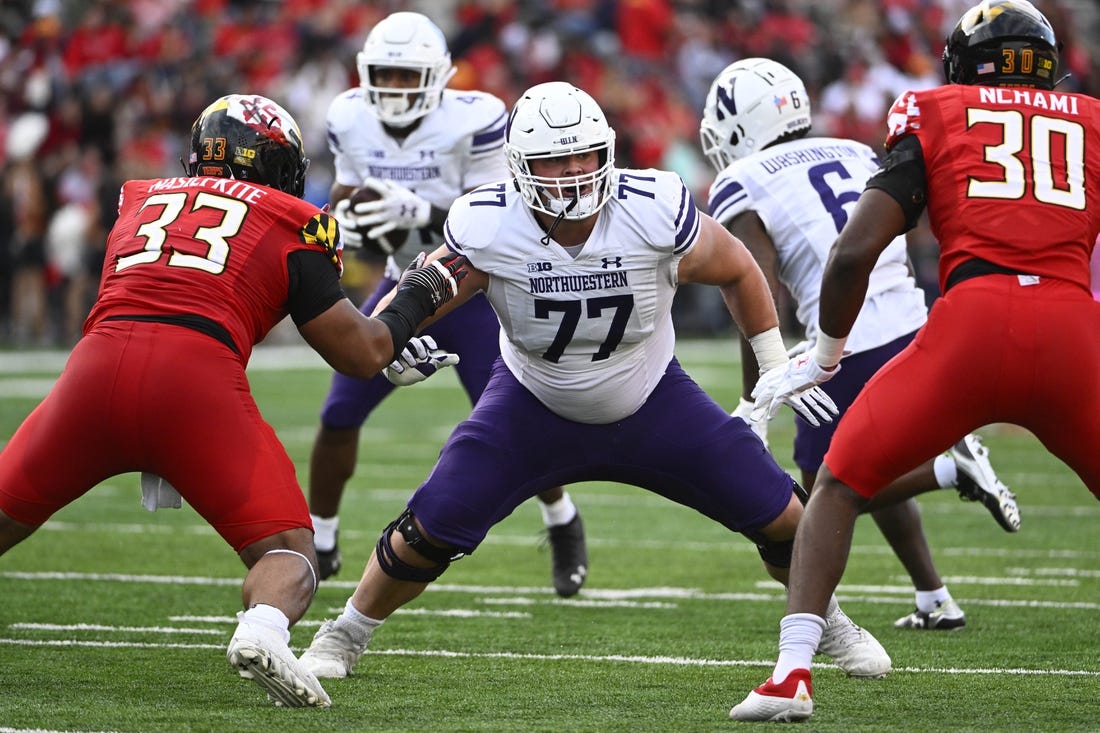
(902,175)
(408,308)
(314,285)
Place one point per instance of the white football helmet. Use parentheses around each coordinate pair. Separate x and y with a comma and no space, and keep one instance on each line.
(405,41)
(751,104)
(551,120)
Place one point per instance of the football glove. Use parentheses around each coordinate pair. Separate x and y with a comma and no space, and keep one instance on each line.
(795,383)
(744,411)
(351,220)
(439,279)
(420,359)
(399,208)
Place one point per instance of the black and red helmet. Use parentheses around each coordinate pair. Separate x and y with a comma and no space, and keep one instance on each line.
(1003,43)
(249,138)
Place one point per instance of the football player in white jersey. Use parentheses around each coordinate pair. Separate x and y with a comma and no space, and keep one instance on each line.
(580,261)
(786,195)
(420,146)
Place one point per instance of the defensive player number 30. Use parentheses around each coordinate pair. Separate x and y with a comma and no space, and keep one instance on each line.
(1043,150)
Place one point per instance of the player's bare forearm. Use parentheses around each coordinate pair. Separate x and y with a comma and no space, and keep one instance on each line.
(748,227)
(348,341)
(718,258)
(339,192)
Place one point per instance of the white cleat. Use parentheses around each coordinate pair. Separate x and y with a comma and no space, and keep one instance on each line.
(852,647)
(332,654)
(259,654)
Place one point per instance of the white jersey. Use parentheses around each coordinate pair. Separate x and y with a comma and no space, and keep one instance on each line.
(802,191)
(591,335)
(455,148)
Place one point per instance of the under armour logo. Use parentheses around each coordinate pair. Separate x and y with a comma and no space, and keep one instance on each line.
(609,261)
(427,155)
(407,210)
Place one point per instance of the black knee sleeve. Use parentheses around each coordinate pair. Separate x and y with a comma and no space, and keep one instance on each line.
(776,553)
(396,568)
(801,493)
(773,552)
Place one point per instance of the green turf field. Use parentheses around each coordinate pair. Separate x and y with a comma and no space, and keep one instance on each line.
(115,619)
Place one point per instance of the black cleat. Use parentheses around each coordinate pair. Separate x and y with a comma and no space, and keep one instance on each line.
(328,561)
(569,556)
(978,482)
(947,617)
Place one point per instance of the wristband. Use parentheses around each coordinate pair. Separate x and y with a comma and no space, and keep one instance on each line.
(769,349)
(829,350)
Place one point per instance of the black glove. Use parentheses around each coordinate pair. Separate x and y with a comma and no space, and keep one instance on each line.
(438,280)
(421,290)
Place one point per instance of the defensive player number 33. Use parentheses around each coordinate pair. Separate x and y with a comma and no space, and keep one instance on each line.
(217,236)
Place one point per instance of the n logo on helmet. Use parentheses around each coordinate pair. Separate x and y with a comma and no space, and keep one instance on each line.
(724,100)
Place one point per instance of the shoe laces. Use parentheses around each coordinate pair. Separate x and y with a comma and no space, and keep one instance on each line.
(839,629)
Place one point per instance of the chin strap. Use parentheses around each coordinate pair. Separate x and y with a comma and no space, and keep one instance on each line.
(557,220)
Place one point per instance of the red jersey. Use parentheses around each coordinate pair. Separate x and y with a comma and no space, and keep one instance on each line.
(215,248)
(1010,175)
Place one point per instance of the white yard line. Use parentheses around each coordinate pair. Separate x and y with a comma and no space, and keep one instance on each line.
(589,597)
(613,658)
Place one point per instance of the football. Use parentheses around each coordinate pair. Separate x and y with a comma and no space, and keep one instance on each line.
(396,237)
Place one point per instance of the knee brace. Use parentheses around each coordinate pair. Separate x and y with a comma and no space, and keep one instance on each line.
(776,553)
(398,569)
(801,493)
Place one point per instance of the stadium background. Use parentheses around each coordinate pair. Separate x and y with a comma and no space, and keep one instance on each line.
(95,92)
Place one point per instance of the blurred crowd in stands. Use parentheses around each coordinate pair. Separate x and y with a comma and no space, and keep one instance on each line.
(93,92)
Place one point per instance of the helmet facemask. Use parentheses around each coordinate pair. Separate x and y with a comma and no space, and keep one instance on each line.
(572,197)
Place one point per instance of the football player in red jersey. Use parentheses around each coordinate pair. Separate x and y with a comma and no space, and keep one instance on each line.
(1000,160)
(198,269)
